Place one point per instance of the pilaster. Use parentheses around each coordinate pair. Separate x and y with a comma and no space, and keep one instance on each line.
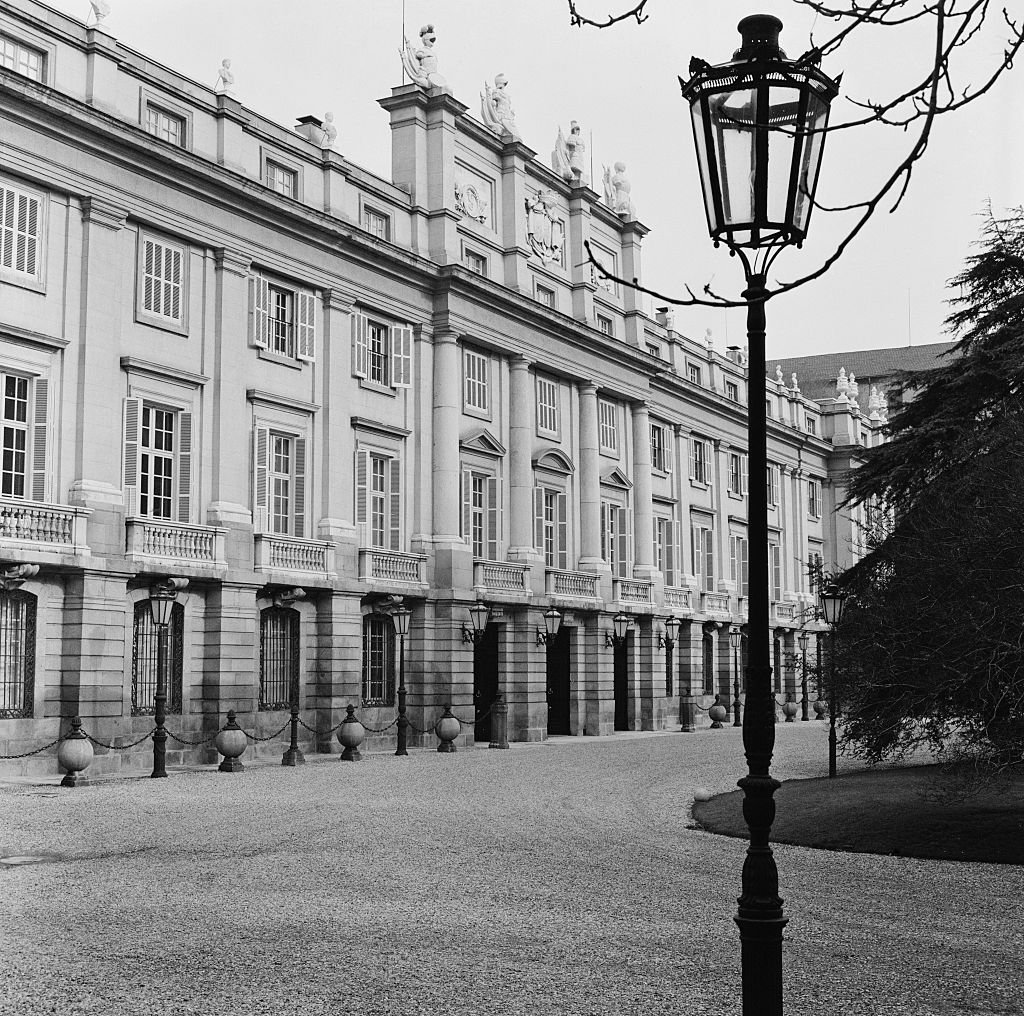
(580,200)
(590,481)
(633,233)
(643,506)
(521,462)
(599,678)
(718,481)
(514,158)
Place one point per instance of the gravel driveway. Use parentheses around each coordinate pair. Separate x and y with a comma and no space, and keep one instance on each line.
(561,877)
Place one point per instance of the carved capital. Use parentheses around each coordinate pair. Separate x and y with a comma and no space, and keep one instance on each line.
(231,262)
(101,213)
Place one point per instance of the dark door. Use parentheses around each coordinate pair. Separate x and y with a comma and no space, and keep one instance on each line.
(558,683)
(485,681)
(621,688)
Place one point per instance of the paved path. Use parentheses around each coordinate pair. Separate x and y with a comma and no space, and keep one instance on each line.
(561,877)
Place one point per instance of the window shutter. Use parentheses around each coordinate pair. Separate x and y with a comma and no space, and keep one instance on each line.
(709,560)
(493,517)
(538,518)
(19,232)
(604,531)
(172,267)
(654,543)
(306,318)
(360,346)
(745,466)
(677,540)
(625,569)
(149,285)
(261,479)
(39,440)
(622,550)
(693,460)
(300,487)
(362,495)
(401,356)
(184,467)
(670,557)
(734,561)
(695,553)
(563,533)
(396,504)
(259,304)
(132,418)
(745,567)
(467,506)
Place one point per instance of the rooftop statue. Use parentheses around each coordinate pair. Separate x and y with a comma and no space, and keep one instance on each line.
(225,78)
(567,160)
(795,386)
(496,108)
(330,131)
(421,63)
(778,374)
(99,9)
(842,386)
(616,191)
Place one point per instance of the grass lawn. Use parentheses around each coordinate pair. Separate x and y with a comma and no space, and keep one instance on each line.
(888,811)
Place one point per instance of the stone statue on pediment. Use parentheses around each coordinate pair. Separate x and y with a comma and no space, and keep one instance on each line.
(568,157)
(225,78)
(496,109)
(420,62)
(544,232)
(330,131)
(616,191)
(98,9)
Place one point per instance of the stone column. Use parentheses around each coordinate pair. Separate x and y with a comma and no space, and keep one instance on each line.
(650,674)
(590,481)
(718,481)
(231,659)
(521,546)
(643,510)
(420,444)
(453,558)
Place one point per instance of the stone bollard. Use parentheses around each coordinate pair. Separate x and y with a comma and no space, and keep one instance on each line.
(230,742)
(790,709)
(74,754)
(351,734)
(718,712)
(447,729)
(499,723)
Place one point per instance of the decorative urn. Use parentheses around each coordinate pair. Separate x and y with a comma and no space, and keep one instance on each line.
(717,712)
(230,742)
(351,734)
(447,729)
(789,708)
(74,754)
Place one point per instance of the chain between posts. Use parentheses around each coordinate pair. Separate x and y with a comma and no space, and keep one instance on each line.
(253,737)
(27,754)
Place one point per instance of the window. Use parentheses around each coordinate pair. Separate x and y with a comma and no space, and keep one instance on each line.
(162,293)
(21,234)
(654,349)
(700,461)
(775,570)
(164,125)
(145,659)
(23,418)
(739,564)
(815,565)
(665,549)
(547,405)
(474,366)
(546,296)
(615,531)
(659,449)
(768,408)
(810,425)
(814,498)
(279,657)
(282,179)
(551,526)
(732,391)
(737,474)
(378,660)
(25,60)
(772,483)
(481,513)
(280,478)
(605,325)
(477,264)
(693,372)
(377,224)
(608,430)
(381,353)
(17,654)
(702,544)
(283,320)
(379,499)
(157,453)
(708,664)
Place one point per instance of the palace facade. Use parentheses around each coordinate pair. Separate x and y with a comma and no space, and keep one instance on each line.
(231,356)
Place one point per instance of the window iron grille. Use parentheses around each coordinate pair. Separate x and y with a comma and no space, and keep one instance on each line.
(145,658)
(17,654)
(279,658)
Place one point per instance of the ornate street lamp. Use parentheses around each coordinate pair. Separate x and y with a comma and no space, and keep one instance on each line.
(736,641)
(620,627)
(667,642)
(803,640)
(832,601)
(478,615)
(758,124)
(552,622)
(162,598)
(400,618)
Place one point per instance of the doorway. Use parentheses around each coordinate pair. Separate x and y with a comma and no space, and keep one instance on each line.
(485,681)
(558,675)
(621,685)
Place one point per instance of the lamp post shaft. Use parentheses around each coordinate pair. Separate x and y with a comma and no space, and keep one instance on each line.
(832,705)
(160,702)
(803,682)
(737,720)
(403,720)
(759,914)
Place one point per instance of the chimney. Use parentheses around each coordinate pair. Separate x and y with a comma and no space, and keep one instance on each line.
(311,128)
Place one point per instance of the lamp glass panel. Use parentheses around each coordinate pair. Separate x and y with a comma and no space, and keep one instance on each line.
(478,614)
(400,617)
(552,622)
(735,639)
(161,607)
(733,115)
(783,106)
(620,622)
(700,143)
(810,161)
(672,627)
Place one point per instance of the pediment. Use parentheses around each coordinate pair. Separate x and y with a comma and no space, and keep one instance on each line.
(483,443)
(554,460)
(616,478)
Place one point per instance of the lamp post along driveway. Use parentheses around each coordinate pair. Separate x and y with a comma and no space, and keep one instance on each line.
(400,618)
(758,125)
(832,601)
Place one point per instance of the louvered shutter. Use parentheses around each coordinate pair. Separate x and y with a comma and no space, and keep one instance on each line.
(172,287)
(693,460)
(395,497)
(697,554)
(622,547)
(259,308)
(149,284)
(493,517)
(401,356)
(360,345)
(538,518)
(627,564)
(734,561)
(745,466)
(654,544)
(563,532)
(300,487)
(670,553)
(261,479)
(19,232)
(362,495)
(604,531)
(132,420)
(467,507)
(677,540)
(39,439)
(745,566)
(184,467)
(709,560)
(306,326)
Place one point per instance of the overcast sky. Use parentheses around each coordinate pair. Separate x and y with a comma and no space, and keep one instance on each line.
(309,56)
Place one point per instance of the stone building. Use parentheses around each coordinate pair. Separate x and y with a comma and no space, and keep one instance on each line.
(233,357)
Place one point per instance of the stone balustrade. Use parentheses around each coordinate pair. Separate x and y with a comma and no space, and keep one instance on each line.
(390,566)
(162,540)
(46,526)
(714,603)
(570,583)
(500,576)
(292,554)
(678,597)
(631,591)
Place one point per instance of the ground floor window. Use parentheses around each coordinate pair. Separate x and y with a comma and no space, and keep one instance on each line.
(17,653)
(709,665)
(279,657)
(145,656)
(378,660)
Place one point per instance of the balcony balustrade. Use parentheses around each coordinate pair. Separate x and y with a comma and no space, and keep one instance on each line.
(582,585)
(785,610)
(631,591)
(678,597)
(292,554)
(496,577)
(49,527)
(150,541)
(714,603)
(390,567)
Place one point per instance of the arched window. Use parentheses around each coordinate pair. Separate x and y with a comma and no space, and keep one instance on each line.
(378,660)
(17,653)
(145,650)
(279,657)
